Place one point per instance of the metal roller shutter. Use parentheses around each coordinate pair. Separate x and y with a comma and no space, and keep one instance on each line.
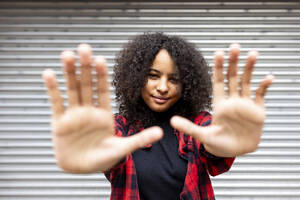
(33,33)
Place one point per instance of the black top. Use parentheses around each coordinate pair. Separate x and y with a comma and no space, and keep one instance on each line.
(160,170)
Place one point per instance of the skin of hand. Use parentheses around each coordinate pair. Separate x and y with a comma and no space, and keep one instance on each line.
(237,121)
(83,134)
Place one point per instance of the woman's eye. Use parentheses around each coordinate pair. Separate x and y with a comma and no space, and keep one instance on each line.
(174,80)
(153,76)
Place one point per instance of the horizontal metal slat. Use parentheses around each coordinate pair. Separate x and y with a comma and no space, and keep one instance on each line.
(148,13)
(152,20)
(120,34)
(134,27)
(152,5)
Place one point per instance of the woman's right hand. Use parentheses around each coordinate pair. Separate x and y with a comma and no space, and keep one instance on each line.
(83,134)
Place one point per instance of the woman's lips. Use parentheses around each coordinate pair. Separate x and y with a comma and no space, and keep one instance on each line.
(160,100)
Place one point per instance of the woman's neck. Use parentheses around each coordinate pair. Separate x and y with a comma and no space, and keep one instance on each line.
(163,116)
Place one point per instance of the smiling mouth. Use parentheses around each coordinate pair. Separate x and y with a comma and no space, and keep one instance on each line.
(160,100)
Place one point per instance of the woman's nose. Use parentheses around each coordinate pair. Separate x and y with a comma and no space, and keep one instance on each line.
(162,86)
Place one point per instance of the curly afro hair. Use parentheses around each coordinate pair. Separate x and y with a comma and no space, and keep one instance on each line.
(132,67)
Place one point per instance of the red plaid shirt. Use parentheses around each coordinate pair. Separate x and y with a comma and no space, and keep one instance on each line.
(197,185)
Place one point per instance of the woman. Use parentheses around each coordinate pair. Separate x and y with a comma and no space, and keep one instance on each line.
(156,77)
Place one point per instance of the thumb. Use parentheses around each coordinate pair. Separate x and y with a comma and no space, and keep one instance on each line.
(200,133)
(142,139)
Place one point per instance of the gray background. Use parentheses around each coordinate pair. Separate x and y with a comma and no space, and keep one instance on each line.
(33,33)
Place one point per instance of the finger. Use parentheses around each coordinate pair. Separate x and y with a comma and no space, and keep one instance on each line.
(200,133)
(54,93)
(142,139)
(246,77)
(234,51)
(78,89)
(262,89)
(103,84)
(218,77)
(68,59)
(85,56)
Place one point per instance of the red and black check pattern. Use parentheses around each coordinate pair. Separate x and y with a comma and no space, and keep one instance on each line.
(201,163)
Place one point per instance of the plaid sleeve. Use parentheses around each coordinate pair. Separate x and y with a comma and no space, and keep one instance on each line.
(120,123)
(214,164)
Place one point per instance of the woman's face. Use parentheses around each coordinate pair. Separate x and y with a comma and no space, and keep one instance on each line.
(163,88)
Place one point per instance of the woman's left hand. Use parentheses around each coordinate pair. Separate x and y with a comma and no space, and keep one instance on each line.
(238,120)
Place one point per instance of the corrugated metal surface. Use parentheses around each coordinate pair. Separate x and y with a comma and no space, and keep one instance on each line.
(33,33)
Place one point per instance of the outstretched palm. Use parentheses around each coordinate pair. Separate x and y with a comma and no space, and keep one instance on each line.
(237,120)
(83,134)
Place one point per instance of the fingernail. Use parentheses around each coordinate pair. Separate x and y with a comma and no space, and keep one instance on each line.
(100,60)
(67,56)
(84,48)
(174,120)
(49,78)
(235,46)
(219,53)
(270,77)
(253,53)
(48,73)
